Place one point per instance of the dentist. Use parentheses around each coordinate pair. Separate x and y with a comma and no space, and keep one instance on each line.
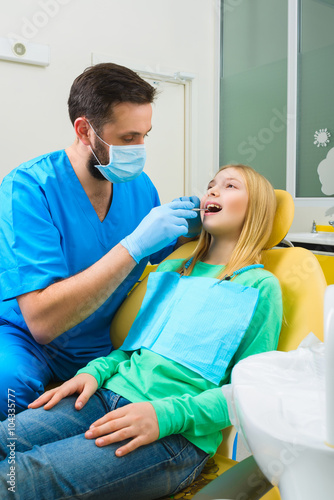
(77,228)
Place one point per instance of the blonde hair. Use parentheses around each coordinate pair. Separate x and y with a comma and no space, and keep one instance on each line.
(256,229)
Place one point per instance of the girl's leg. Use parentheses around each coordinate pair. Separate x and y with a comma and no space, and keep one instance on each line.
(39,426)
(75,468)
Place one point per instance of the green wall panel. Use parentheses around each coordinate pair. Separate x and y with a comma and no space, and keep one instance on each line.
(253,87)
(315,91)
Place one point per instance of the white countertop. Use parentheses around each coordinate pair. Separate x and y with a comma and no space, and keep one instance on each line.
(320,238)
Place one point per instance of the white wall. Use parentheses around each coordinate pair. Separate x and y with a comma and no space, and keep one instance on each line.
(305,215)
(162,35)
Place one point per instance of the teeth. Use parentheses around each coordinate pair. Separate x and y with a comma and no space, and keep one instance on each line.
(212,207)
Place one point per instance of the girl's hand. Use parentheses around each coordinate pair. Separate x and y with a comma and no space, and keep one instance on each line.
(136,420)
(84,383)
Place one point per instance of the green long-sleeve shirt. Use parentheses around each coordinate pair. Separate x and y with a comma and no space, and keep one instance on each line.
(186,403)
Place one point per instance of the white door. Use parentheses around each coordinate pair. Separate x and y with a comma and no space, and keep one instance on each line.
(165,144)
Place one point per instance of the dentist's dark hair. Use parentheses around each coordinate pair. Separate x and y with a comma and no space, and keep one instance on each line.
(99,88)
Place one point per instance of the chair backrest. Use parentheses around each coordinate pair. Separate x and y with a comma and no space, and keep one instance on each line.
(298,270)
(303,287)
(301,278)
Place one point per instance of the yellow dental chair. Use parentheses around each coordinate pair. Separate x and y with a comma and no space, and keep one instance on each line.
(303,286)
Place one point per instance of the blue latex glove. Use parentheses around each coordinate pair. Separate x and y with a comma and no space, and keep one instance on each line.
(195,224)
(159,228)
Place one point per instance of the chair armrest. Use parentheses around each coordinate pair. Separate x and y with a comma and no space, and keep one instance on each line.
(226,447)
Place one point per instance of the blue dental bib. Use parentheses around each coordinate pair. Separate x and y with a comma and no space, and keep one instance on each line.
(198,322)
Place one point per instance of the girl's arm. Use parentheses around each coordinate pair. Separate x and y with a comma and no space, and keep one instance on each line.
(198,415)
(105,367)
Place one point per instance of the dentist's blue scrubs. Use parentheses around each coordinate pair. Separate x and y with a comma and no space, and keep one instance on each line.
(50,231)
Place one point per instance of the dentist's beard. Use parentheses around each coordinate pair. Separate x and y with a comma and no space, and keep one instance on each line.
(103,156)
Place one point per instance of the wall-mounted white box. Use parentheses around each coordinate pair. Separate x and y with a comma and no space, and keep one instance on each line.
(24,52)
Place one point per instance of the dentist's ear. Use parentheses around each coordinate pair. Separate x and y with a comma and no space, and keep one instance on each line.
(83,130)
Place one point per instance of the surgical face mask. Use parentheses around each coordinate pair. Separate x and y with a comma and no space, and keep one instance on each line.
(125,162)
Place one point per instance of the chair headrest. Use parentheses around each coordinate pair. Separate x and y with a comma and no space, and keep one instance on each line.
(285,210)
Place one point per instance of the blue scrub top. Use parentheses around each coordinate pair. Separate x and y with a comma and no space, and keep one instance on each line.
(50,231)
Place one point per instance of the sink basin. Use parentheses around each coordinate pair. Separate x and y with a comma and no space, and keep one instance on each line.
(320,238)
(277,402)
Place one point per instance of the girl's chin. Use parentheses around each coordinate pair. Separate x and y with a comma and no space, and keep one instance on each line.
(211,224)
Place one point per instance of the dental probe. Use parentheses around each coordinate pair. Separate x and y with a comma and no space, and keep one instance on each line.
(198,209)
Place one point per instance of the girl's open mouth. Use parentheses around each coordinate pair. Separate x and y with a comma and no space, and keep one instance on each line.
(212,208)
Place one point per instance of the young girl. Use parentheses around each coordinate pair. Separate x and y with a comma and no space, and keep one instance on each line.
(150,414)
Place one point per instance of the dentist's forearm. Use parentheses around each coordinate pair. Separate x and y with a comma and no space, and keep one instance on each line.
(62,305)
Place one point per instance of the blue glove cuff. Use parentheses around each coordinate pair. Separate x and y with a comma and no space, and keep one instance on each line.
(131,248)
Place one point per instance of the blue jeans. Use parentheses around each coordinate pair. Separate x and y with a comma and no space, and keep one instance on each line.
(53,460)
